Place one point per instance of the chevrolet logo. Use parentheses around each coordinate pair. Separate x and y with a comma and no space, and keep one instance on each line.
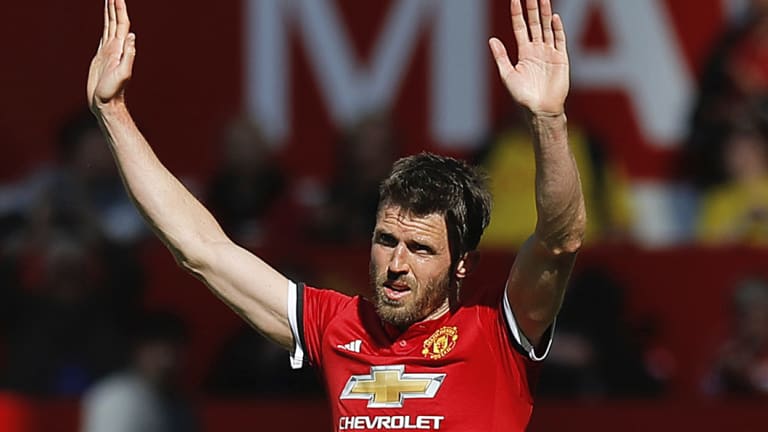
(389,386)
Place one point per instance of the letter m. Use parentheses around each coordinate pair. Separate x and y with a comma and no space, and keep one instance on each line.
(459,58)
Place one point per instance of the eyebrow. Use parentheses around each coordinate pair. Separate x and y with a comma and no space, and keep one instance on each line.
(421,244)
(380,232)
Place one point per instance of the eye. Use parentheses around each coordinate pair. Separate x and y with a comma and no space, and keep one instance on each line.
(422,249)
(385,239)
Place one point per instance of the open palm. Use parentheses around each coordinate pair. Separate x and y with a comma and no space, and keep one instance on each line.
(112,65)
(540,79)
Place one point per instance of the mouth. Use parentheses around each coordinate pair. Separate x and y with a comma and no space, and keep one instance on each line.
(396,291)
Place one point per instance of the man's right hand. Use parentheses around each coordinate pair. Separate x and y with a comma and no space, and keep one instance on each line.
(112,65)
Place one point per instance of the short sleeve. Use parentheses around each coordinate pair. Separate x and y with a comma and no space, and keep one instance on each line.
(310,311)
(520,341)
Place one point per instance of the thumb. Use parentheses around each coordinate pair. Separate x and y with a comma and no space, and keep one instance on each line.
(125,68)
(500,55)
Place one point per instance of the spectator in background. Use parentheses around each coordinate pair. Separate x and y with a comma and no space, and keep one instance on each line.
(83,189)
(249,365)
(71,279)
(365,156)
(247,182)
(61,333)
(742,369)
(736,211)
(597,354)
(80,198)
(145,397)
(732,86)
(509,160)
(85,185)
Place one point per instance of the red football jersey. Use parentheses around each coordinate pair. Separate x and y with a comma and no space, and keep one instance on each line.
(469,370)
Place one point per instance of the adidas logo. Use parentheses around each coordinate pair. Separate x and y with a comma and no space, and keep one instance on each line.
(353,346)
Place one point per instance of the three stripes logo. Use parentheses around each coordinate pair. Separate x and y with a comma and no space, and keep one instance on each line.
(353,346)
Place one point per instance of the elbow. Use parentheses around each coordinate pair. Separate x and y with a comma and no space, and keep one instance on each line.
(569,239)
(194,254)
(570,245)
(191,263)
(574,237)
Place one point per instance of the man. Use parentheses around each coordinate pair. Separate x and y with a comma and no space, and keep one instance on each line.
(145,396)
(423,354)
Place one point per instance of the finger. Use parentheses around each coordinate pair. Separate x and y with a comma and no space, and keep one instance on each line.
(518,23)
(559,31)
(534,24)
(123,23)
(546,22)
(105,32)
(502,59)
(112,19)
(125,68)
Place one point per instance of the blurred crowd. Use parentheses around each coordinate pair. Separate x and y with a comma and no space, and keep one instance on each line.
(74,321)
(726,157)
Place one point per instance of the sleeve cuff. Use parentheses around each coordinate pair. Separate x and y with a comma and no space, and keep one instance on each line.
(295,319)
(520,341)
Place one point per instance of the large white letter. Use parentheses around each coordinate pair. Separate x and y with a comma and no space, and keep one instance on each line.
(459,84)
(645,61)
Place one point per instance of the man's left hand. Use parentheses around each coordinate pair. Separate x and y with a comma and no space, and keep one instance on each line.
(539,81)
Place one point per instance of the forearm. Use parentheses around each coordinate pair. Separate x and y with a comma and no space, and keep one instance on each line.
(179,219)
(561,219)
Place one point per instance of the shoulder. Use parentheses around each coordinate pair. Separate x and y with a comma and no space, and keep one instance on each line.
(119,390)
(481,294)
(326,294)
(324,298)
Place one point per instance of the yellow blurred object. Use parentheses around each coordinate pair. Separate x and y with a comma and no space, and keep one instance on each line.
(511,167)
(735,213)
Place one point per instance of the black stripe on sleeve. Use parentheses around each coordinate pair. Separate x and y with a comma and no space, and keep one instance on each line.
(512,339)
(300,317)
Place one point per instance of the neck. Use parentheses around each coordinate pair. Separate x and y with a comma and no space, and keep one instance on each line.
(440,311)
(437,313)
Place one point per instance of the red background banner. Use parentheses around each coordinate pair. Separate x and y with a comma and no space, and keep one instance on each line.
(190,78)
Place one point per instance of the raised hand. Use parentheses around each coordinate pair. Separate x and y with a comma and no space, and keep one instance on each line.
(112,65)
(539,81)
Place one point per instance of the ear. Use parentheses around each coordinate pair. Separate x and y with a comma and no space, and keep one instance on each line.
(467,264)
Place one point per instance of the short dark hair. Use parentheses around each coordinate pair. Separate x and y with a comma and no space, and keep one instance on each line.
(427,183)
(72,131)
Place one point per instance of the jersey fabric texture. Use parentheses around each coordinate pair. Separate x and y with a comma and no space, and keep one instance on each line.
(469,370)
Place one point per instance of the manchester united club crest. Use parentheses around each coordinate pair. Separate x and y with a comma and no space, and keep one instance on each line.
(440,343)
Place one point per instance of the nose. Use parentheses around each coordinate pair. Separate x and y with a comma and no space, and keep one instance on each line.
(398,261)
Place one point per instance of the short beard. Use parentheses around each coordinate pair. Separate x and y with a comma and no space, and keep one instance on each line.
(415,309)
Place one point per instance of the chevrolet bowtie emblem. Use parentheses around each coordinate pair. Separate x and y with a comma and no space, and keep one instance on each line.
(389,386)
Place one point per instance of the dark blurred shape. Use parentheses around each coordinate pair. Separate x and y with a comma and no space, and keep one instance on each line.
(82,190)
(251,366)
(742,369)
(247,182)
(87,184)
(365,156)
(62,331)
(145,396)
(71,280)
(733,84)
(595,352)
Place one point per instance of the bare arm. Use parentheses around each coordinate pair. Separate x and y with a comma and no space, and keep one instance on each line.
(539,82)
(249,286)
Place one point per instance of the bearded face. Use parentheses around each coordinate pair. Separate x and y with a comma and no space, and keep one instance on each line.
(402,300)
(410,266)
